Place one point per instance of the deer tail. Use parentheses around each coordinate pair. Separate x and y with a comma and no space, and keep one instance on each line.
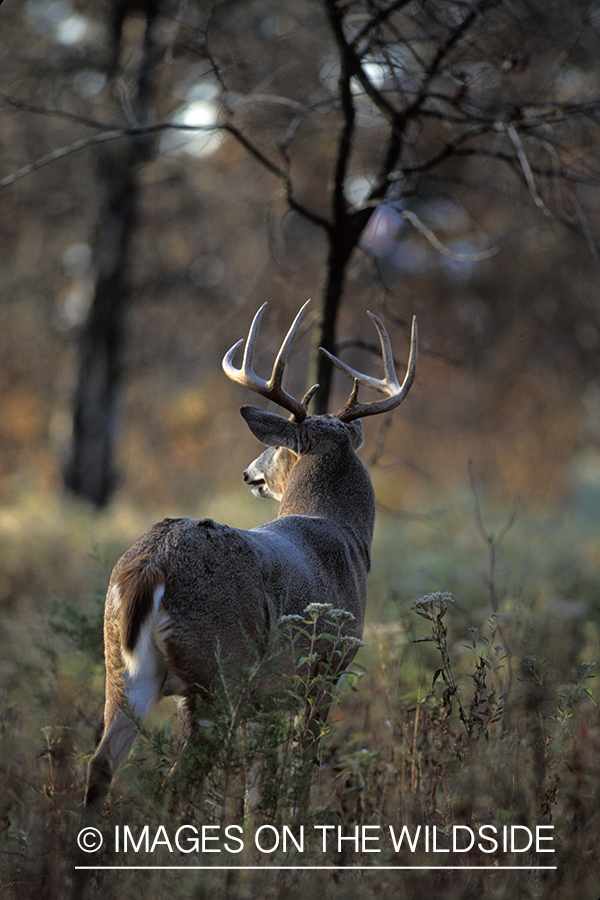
(141,585)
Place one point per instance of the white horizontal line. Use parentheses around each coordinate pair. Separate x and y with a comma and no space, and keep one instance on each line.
(308,868)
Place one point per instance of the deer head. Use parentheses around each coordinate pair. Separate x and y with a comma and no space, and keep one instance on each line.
(288,439)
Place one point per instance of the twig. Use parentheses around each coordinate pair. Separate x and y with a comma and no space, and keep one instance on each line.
(526,168)
(493,547)
(492,542)
(435,241)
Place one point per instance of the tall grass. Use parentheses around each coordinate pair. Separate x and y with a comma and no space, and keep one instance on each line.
(475,707)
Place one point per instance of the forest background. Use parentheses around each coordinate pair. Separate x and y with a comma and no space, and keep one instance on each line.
(166,166)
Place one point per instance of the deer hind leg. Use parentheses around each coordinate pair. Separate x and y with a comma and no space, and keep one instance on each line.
(309,729)
(131,695)
(140,694)
(117,741)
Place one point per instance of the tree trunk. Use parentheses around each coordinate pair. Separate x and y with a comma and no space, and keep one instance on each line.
(343,240)
(330,296)
(90,470)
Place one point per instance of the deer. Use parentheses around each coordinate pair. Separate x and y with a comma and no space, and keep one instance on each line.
(191,596)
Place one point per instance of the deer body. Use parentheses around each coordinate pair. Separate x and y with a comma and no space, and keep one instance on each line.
(191,595)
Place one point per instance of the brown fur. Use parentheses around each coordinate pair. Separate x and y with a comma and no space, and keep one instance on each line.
(137,582)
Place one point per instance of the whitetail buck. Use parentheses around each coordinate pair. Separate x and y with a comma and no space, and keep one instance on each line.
(189,592)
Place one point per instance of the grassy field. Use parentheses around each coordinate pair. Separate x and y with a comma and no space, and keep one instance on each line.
(470,718)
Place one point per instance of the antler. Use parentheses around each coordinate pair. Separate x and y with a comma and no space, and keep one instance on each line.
(395,393)
(270,389)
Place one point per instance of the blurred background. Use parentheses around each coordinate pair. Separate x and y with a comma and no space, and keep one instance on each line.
(131,263)
(169,165)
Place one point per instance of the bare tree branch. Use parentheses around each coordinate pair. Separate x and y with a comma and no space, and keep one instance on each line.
(129,131)
(23,106)
(254,151)
(525,166)
(424,229)
(61,152)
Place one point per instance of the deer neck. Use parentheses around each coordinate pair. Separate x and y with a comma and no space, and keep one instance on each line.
(332,484)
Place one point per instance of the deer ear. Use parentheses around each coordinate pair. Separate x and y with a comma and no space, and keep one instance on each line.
(271,429)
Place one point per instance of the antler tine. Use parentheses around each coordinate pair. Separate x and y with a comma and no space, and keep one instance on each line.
(272,388)
(281,358)
(388,385)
